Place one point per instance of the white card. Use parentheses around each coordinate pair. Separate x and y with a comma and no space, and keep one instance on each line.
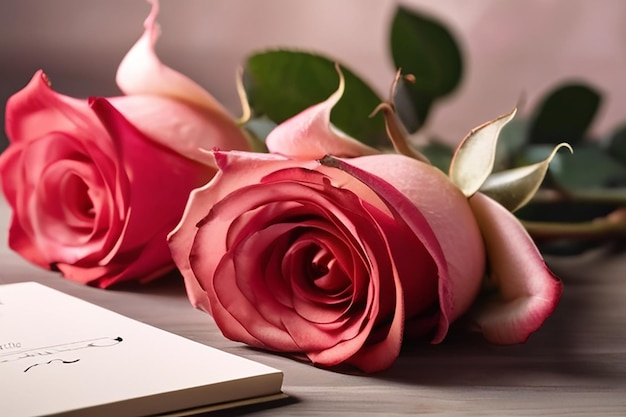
(60,355)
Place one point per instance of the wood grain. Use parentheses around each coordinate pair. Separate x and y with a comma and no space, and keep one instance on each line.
(574,366)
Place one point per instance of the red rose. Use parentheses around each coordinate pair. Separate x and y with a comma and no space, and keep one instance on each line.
(96,185)
(300,257)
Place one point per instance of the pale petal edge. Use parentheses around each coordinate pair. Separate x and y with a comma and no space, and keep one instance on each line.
(527,291)
(142,72)
(403,208)
(310,134)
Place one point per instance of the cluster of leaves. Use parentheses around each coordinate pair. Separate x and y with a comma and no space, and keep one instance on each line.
(281,83)
(579,204)
(583,200)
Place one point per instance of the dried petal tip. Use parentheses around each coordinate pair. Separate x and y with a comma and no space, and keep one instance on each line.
(329,161)
(246,112)
(515,187)
(396,132)
(474,158)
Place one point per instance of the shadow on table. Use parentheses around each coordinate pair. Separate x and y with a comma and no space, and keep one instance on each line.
(169,283)
(582,343)
(250,409)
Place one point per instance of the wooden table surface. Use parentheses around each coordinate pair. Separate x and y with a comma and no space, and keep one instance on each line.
(574,366)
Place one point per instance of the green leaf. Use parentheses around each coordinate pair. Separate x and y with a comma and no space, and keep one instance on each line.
(588,167)
(564,211)
(565,246)
(413,107)
(515,187)
(281,83)
(438,154)
(616,144)
(512,139)
(424,47)
(565,115)
(259,127)
(474,158)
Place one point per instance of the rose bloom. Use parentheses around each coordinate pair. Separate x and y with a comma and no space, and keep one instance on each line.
(95,185)
(341,260)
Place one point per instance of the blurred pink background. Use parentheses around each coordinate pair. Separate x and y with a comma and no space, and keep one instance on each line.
(510,47)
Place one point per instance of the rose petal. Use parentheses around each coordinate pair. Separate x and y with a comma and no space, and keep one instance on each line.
(158,194)
(141,72)
(379,356)
(460,262)
(137,266)
(196,120)
(448,214)
(244,308)
(259,307)
(36,116)
(36,108)
(307,335)
(528,291)
(38,113)
(237,169)
(309,134)
(210,258)
(187,129)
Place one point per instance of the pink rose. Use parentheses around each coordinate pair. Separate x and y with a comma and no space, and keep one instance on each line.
(95,185)
(298,257)
(340,261)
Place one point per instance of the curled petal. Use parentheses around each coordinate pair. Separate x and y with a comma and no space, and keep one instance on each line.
(515,187)
(237,169)
(33,110)
(141,72)
(445,206)
(155,201)
(403,209)
(309,134)
(186,130)
(379,356)
(527,291)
